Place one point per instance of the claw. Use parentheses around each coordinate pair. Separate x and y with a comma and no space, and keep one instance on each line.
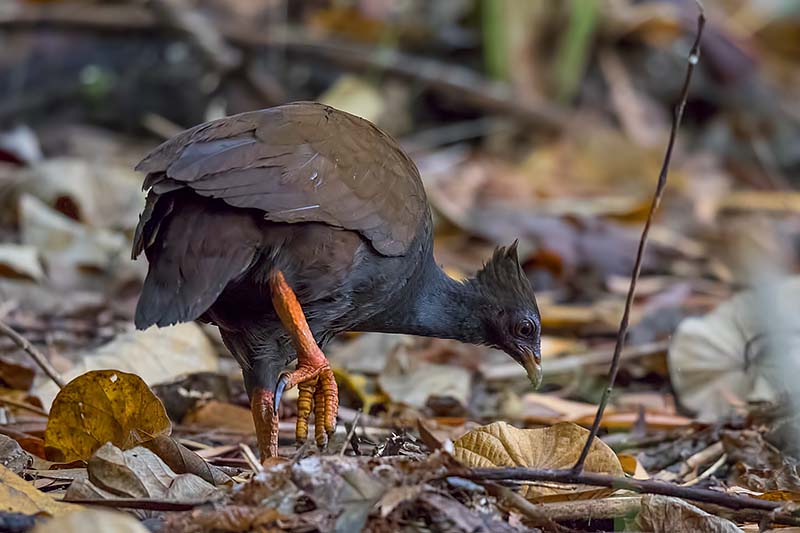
(283,381)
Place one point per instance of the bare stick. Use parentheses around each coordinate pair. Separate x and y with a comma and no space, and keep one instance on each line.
(350,433)
(24,406)
(694,56)
(250,457)
(643,486)
(31,350)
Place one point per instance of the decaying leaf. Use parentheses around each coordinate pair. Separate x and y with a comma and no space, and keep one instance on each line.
(409,381)
(103,406)
(20,261)
(63,240)
(98,193)
(12,456)
(136,473)
(632,466)
(220,415)
(16,376)
(182,460)
(759,466)
(92,521)
(155,355)
(359,493)
(19,496)
(663,514)
(356,96)
(722,360)
(500,445)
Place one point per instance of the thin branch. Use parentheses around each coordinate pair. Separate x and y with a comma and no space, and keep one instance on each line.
(694,56)
(31,350)
(643,486)
(24,406)
(350,433)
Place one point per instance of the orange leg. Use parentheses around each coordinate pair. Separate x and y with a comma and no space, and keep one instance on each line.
(265,418)
(313,376)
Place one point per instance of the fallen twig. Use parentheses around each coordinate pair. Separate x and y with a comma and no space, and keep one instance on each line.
(694,56)
(24,406)
(141,503)
(251,459)
(570,363)
(540,514)
(350,433)
(644,486)
(31,350)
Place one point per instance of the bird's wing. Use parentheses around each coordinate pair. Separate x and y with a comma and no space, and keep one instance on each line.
(299,162)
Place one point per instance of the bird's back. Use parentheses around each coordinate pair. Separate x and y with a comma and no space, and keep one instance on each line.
(307,189)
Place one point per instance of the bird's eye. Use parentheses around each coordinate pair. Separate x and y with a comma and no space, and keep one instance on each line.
(525,328)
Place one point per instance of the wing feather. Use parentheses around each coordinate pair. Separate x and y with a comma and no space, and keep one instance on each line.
(301,162)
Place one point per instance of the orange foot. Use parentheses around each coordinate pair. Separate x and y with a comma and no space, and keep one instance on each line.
(313,376)
(317,383)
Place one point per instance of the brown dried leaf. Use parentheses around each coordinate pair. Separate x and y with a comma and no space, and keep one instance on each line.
(502,445)
(219,415)
(16,376)
(12,456)
(759,465)
(103,406)
(137,473)
(184,461)
(668,514)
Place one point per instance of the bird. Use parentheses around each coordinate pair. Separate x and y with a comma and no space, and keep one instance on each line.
(289,225)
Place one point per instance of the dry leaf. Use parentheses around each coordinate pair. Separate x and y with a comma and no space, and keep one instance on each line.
(155,355)
(667,514)
(356,96)
(16,376)
(222,416)
(630,419)
(136,473)
(502,445)
(103,406)
(184,461)
(12,456)
(62,240)
(92,521)
(723,360)
(409,381)
(632,466)
(19,496)
(20,261)
(98,193)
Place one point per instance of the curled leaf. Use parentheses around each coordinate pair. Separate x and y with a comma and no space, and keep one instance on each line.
(502,445)
(103,406)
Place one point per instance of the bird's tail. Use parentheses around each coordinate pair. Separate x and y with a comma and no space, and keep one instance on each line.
(195,247)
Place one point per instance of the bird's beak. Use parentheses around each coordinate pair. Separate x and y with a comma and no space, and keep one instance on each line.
(532,363)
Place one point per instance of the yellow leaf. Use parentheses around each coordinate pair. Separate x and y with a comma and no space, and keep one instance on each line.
(632,466)
(19,496)
(502,445)
(103,406)
(92,521)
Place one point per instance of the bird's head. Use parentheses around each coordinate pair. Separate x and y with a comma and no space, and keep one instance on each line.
(511,319)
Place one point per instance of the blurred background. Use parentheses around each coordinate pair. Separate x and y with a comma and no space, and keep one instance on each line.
(531,120)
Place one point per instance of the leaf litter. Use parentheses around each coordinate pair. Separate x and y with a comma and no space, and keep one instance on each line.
(702,400)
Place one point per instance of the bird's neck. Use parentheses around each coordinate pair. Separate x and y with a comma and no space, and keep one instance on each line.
(435,305)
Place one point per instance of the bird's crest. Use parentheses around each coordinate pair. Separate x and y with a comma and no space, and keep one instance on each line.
(502,277)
